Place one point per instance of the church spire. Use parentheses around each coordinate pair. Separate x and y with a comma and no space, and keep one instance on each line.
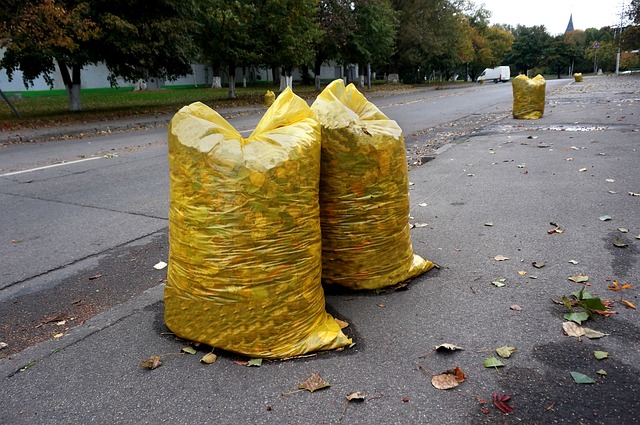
(570,24)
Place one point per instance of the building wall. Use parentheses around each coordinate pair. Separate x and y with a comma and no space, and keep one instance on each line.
(96,76)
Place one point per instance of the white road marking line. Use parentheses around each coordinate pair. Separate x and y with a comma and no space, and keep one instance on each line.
(49,166)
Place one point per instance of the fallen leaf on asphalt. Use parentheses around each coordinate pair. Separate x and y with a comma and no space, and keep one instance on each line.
(610,180)
(209,358)
(500,258)
(581,378)
(381,305)
(505,352)
(605,218)
(538,264)
(488,224)
(628,304)
(492,362)
(516,307)
(615,286)
(522,273)
(577,317)
(448,379)
(418,225)
(600,355)
(601,372)
(241,362)
(356,395)
(444,381)
(313,383)
(254,363)
(96,276)
(447,347)
(556,230)
(580,278)
(593,334)
(3,345)
(499,282)
(500,401)
(619,242)
(159,266)
(422,204)
(573,329)
(623,230)
(634,194)
(188,350)
(58,335)
(151,363)
(582,169)
(574,262)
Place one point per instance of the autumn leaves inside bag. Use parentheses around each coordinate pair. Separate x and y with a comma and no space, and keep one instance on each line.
(364,194)
(244,233)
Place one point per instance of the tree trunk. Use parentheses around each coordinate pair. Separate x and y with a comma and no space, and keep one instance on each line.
(72,84)
(232,81)
(317,67)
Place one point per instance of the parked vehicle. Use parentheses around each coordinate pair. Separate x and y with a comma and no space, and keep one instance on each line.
(500,73)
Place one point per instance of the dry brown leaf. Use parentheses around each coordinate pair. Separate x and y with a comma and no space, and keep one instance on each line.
(448,347)
(516,307)
(628,304)
(444,381)
(573,329)
(313,383)
(151,363)
(500,258)
(522,273)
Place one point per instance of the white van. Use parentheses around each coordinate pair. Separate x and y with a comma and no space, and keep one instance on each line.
(501,73)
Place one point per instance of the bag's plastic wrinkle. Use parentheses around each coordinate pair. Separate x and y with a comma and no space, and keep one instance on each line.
(364,194)
(528,97)
(244,232)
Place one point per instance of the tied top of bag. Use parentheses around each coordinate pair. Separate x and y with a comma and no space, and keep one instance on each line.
(340,107)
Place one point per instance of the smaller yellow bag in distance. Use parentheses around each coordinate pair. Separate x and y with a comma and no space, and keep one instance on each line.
(244,233)
(528,97)
(364,194)
(577,77)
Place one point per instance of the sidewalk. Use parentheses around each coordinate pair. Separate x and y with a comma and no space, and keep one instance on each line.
(492,194)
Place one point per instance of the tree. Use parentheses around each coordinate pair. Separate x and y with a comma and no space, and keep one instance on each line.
(528,47)
(491,44)
(131,38)
(337,24)
(427,35)
(226,35)
(375,33)
(558,55)
(633,12)
(287,32)
(37,36)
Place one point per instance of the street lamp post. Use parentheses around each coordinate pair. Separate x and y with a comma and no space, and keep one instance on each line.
(596,46)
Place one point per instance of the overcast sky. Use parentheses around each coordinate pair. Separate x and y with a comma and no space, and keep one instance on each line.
(554,14)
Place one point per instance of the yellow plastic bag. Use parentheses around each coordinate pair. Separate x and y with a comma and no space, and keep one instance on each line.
(528,97)
(364,194)
(577,77)
(269,98)
(244,233)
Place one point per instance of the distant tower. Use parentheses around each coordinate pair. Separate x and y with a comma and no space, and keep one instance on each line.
(570,24)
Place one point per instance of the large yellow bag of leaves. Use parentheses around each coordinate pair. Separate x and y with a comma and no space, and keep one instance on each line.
(528,97)
(364,194)
(244,233)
